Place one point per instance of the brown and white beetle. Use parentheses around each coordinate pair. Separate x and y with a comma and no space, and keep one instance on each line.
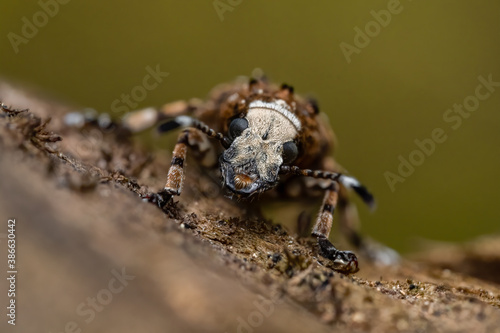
(269,139)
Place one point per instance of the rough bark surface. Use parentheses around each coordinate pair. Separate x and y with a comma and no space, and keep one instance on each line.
(207,265)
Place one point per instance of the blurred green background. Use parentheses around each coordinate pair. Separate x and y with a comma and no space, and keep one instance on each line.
(393,91)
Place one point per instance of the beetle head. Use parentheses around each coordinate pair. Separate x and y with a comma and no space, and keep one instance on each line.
(261,143)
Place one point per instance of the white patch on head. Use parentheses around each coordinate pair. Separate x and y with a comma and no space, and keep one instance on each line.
(273,126)
(278,106)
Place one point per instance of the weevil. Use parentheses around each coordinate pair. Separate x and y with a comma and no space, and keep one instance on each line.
(262,137)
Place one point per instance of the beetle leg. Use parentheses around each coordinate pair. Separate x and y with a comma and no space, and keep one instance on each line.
(344,261)
(186,121)
(175,176)
(204,151)
(133,121)
(346,181)
(140,120)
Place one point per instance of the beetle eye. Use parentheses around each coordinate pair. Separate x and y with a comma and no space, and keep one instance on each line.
(290,152)
(236,127)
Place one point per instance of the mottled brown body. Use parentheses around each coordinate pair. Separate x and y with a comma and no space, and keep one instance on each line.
(270,140)
(228,101)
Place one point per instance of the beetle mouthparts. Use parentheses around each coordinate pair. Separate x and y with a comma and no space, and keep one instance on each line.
(241,181)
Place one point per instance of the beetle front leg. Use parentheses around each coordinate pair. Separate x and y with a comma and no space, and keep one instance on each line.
(175,176)
(203,150)
(344,261)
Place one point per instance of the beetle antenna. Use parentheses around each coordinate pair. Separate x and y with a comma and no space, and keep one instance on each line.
(347,181)
(186,121)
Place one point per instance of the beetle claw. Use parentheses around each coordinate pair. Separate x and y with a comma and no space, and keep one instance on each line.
(343,261)
(160,199)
